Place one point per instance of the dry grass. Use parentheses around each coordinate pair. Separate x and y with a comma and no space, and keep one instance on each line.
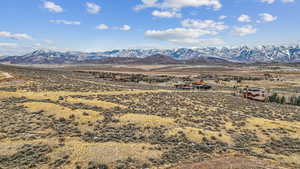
(290,159)
(83,152)
(55,95)
(265,123)
(231,163)
(108,153)
(147,120)
(196,135)
(97,103)
(5,75)
(59,111)
(2,76)
(258,124)
(9,148)
(42,95)
(105,153)
(263,84)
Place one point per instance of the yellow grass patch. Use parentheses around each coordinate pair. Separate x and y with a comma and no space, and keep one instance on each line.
(54,95)
(64,112)
(9,148)
(98,103)
(265,123)
(258,124)
(147,120)
(107,153)
(5,75)
(84,152)
(290,159)
(253,122)
(193,134)
(2,76)
(37,95)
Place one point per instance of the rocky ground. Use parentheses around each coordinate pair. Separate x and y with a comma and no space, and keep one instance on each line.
(63,119)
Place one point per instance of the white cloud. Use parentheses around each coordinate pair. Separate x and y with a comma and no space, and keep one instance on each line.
(65,22)
(102,27)
(166,14)
(125,28)
(287,1)
(149,2)
(11,45)
(222,17)
(244,18)
(177,33)
(92,8)
(52,7)
(178,4)
(265,17)
(105,27)
(198,42)
(191,33)
(268,1)
(272,1)
(184,36)
(245,30)
(18,36)
(204,24)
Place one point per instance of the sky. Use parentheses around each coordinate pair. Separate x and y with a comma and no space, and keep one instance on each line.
(98,25)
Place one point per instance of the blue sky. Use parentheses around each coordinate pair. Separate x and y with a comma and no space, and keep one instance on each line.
(95,25)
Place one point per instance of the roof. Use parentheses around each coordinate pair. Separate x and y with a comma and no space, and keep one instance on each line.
(199,83)
(255,89)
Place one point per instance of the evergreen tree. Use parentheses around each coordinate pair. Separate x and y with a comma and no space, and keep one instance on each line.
(273,97)
(293,100)
(282,100)
(298,101)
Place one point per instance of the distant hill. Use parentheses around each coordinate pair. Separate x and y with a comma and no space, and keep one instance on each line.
(207,60)
(50,57)
(158,59)
(244,54)
(155,59)
(111,60)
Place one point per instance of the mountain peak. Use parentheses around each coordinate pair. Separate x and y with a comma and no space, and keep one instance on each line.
(264,53)
(42,51)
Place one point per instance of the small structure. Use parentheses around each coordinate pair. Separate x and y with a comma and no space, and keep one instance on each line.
(194,85)
(201,82)
(184,86)
(201,85)
(255,94)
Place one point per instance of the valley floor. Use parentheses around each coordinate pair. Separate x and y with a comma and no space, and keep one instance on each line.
(58,118)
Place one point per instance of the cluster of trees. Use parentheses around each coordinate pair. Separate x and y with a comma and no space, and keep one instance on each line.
(277,99)
(125,77)
(283,100)
(295,100)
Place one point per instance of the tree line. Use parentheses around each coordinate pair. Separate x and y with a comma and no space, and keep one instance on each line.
(275,98)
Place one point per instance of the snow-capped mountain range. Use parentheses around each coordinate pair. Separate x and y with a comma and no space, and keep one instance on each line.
(286,54)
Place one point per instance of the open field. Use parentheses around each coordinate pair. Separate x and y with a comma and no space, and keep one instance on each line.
(67,118)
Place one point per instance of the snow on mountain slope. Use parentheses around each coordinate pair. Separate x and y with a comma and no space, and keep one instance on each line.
(238,54)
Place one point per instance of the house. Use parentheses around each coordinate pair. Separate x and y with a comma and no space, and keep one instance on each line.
(255,94)
(200,85)
(184,86)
